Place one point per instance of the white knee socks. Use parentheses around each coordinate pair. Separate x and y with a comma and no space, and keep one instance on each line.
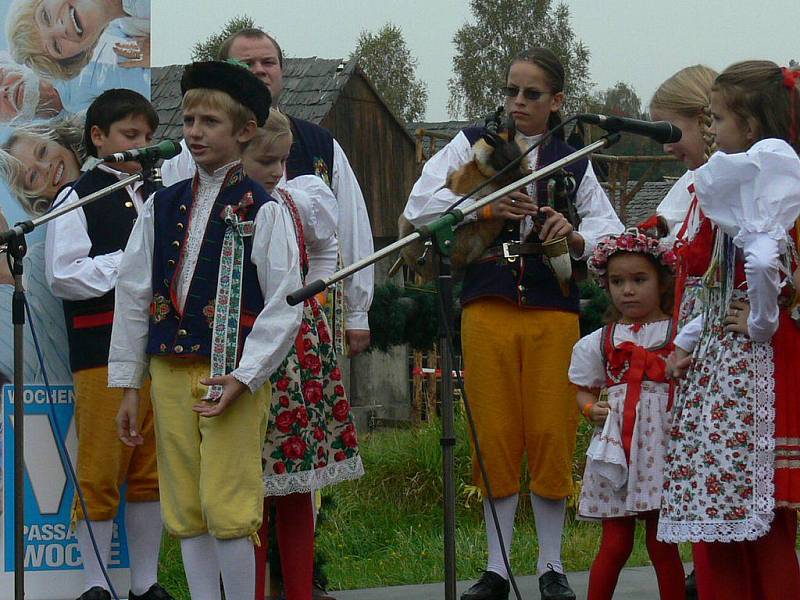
(143,528)
(238,561)
(92,571)
(506,509)
(202,567)
(549,517)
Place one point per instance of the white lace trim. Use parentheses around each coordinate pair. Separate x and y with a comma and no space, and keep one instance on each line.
(758,523)
(311,480)
(208,187)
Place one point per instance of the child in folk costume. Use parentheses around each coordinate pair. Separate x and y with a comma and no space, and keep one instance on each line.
(623,362)
(201,302)
(685,100)
(82,253)
(730,476)
(311,439)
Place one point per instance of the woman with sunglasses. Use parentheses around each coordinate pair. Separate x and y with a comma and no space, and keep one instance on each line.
(518,327)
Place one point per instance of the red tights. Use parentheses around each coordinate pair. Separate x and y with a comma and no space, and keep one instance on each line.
(762,569)
(295,521)
(615,548)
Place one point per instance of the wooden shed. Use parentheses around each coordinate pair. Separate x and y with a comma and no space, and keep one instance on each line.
(335,94)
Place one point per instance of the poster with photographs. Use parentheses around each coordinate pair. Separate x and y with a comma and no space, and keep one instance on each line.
(56,56)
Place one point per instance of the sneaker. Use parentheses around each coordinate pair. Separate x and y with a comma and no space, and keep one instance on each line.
(554,586)
(155,592)
(95,593)
(490,586)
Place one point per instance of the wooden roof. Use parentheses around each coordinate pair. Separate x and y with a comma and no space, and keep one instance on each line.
(311,87)
(337,95)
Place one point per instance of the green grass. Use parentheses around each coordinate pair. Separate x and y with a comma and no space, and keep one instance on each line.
(386,528)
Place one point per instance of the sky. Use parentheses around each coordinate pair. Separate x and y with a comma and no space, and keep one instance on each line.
(640,42)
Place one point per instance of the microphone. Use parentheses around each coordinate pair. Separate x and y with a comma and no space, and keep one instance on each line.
(662,132)
(166,149)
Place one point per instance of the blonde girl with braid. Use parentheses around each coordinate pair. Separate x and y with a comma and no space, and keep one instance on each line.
(685,101)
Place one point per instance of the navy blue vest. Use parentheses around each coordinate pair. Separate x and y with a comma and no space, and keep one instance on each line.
(109,222)
(527,281)
(311,152)
(189,333)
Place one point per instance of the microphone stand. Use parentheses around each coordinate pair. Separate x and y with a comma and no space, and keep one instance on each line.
(17,248)
(442,231)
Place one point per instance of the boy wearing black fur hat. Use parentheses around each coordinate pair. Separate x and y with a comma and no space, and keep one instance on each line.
(201,298)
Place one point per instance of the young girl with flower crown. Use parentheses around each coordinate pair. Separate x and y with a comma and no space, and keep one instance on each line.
(731,475)
(622,389)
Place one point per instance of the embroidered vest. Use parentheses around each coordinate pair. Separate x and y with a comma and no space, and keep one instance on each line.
(311,152)
(190,332)
(109,222)
(527,281)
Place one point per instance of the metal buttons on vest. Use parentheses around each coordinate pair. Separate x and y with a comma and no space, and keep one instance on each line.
(178,349)
(176,244)
(182,333)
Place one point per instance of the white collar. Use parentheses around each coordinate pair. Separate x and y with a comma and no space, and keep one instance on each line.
(217,176)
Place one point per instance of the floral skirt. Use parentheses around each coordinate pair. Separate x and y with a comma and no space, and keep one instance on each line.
(612,485)
(311,439)
(719,465)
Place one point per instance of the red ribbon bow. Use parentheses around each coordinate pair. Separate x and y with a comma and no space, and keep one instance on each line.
(790,77)
(642,364)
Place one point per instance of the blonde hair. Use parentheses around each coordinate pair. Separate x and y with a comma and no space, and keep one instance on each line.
(755,90)
(688,93)
(238,113)
(27,47)
(277,128)
(67,133)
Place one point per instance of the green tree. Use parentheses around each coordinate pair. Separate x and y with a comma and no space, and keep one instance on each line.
(621,100)
(207,49)
(502,29)
(390,66)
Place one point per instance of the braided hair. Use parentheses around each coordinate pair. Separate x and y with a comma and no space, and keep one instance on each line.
(688,93)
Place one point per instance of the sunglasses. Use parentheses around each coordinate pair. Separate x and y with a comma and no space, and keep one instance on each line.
(513,91)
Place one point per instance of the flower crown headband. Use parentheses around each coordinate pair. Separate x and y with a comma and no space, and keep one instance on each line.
(634,241)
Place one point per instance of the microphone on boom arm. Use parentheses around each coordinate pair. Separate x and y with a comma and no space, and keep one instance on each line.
(166,150)
(662,132)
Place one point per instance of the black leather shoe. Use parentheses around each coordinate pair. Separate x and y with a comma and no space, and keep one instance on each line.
(95,593)
(691,587)
(490,586)
(554,586)
(155,592)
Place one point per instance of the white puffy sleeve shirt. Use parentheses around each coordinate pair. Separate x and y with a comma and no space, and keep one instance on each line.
(69,270)
(276,258)
(355,238)
(675,205)
(754,197)
(429,198)
(587,366)
(317,208)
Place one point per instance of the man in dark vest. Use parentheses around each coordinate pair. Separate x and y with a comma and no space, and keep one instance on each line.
(316,152)
(83,251)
